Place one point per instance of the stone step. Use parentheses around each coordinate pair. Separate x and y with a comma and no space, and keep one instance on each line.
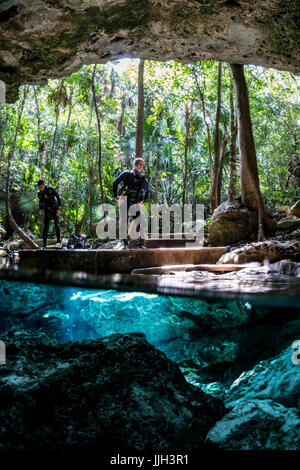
(116,261)
(166,242)
(190,236)
(216,268)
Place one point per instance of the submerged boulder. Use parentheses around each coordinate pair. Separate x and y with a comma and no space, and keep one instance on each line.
(222,356)
(231,222)
(276,378)
(263,406)
(257,425)
(26,297)
(118,392)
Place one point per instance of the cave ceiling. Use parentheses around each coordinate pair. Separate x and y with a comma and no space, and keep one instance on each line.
(41,39)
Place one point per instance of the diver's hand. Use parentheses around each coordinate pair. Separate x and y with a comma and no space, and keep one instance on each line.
(57,213)
(119,200)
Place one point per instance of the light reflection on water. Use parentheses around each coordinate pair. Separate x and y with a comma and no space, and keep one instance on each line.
(172,323)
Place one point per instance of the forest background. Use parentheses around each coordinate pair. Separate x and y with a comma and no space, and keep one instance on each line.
(78,133)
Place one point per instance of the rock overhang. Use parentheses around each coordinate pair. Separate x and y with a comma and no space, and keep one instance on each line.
(44,39)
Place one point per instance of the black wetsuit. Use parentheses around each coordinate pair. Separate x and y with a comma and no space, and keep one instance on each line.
(134,186)
(49,201)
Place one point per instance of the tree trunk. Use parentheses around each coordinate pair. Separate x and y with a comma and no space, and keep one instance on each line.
(41,145)
(186,149)
(11,153)
(66,138)
(91,191)
(57,112)
(157,177)
(215,195)
(120,127)
(250,190)
(3,143)
(99,136)
(221,165)
(78,225)
(91,170)
(140,113)
(232,165)
(206,124)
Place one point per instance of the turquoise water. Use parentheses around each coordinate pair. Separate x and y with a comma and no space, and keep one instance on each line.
(194,332)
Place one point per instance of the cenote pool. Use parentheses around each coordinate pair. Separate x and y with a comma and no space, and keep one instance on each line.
(212,340)
(138,370)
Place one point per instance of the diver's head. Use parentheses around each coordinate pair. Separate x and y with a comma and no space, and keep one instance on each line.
(41,185)
(138,164)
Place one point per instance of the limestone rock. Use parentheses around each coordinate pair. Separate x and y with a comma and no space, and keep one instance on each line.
(47,39)
(109,245)
(277,379)
(115,393)
(23,298)
(289,223)
(256,425)
(14,245)
(231,222)
(282,210)
(268,250)
(286,267)
(222,356)
(283,235)
(39,242)
(295,209)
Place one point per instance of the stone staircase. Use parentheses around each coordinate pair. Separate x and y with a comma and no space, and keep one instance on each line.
(170,240)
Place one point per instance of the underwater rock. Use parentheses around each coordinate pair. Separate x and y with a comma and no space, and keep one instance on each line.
(256,425)
(222,356)
(220,315)
(118,392)
(277,379)
(231,222)
(22,297)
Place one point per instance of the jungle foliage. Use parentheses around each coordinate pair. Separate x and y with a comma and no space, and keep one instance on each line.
(79,133)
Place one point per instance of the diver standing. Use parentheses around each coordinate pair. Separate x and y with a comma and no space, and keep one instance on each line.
(49,202)
(135,187)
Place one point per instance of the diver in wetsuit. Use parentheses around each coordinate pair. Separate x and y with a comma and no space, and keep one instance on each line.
(134,187)
(49,202)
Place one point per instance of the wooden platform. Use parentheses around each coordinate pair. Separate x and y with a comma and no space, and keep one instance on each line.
(116,261)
